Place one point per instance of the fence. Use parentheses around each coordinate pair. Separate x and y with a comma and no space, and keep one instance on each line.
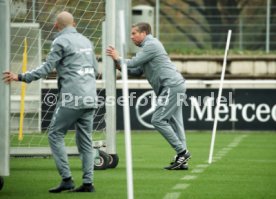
(186,25)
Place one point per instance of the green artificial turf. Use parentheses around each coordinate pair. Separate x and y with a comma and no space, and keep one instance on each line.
(246,171)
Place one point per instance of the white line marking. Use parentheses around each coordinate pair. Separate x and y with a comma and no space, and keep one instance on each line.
(202,165)
(197,170)
(226,149)
(217,159)
(233,145)
(181,186)
(220,155)
(222,152)
(172,195)
(189,177)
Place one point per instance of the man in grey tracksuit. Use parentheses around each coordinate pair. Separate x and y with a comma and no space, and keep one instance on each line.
(74,60)
(167,83)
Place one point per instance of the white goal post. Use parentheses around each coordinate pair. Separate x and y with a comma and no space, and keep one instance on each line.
(4,89)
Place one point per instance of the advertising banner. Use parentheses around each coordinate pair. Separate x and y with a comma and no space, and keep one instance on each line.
(241,109)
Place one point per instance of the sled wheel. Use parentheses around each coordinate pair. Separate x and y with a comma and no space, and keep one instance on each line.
(113,160)
(101,162)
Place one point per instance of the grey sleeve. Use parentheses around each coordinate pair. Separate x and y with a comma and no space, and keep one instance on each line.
(96,65)
(52,60)
(95,61)
(137,72)
(143,56)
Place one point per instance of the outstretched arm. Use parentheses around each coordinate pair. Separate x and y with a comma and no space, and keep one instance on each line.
(9,77)
(52,60)
(42,71)
(136,72)
(113,53)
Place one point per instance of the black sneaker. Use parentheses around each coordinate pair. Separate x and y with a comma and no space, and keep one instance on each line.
(179,161)
(183,167)
(64,186)
(84,188)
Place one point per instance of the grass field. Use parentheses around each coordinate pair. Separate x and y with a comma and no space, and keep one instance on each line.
(244,167)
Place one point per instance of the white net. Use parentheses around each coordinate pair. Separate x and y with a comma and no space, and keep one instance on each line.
(34,20)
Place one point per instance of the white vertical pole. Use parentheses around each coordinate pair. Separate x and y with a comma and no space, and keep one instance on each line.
(110,75)
(33,10)
(4,88)
(104,44)
(157,10)
(40,81)
(124,5)
(219,97)
(128,149)
(267,26)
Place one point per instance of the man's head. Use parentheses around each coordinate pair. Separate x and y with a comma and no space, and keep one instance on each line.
(139,31)
(64,19)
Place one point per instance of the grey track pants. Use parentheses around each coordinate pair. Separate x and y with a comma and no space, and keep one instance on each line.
(168,119)
(62,120)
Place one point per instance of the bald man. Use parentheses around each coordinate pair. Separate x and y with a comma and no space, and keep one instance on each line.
(73,58)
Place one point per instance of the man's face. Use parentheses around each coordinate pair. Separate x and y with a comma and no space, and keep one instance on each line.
(56,25)
(137,37)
